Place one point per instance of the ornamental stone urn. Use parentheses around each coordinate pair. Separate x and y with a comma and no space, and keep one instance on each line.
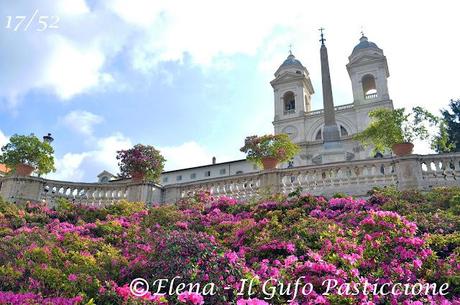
(137,176)
(24,169)
(269,163)
(402,149)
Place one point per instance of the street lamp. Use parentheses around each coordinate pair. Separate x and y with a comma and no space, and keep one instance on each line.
(48,138)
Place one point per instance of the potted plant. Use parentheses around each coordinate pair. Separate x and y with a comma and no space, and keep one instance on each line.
(394,129)
(269,150)
(24,154)
(142,162)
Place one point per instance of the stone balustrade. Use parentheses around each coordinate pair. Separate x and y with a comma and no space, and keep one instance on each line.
(353,177)
(356,177)
(16,189)
(370,96)
(337,108)
(440,170)
(242,187)
(93,193)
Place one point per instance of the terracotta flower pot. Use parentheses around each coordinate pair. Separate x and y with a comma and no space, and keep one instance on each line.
(269,163)
(137,176)
(402,149)
(24,169)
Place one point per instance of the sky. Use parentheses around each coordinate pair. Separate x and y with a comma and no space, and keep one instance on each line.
(192,77)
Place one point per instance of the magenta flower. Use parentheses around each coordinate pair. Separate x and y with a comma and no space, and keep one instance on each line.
(191,298)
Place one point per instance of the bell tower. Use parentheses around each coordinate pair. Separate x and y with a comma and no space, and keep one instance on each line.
(368,71)
(292,89)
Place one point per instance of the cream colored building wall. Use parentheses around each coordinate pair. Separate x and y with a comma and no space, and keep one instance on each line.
(227,168)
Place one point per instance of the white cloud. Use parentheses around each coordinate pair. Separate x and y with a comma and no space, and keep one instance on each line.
(69,167)
(85,166)
(188,154)
(72,7)
(142,13)
(73,70)
(73,59)
(66,61)
(82,122)
(3,139)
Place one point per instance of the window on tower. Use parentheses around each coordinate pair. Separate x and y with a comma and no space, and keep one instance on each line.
(319,135)
(369,87)
(289,103)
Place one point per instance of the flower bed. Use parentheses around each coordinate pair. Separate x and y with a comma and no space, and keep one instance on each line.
(82,255)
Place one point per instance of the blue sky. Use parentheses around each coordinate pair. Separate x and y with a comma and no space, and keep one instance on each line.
(192,77)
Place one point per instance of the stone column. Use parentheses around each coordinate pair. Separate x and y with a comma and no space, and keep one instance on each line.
(17,189)
(171,194)
(270,181)
(146,192)
(409,172)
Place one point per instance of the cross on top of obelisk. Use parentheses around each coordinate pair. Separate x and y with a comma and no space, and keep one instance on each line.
(322,36)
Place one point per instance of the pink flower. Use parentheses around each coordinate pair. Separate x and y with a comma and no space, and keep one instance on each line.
(182,225)
(192,297)
(320,300)
(232,257)
(72,277)
(251,302)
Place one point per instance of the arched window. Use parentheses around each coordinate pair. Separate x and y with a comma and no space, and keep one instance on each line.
(289,102)
(369,87)
(319,135)
(343,131)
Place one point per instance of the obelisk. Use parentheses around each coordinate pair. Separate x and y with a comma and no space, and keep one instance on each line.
(332,145)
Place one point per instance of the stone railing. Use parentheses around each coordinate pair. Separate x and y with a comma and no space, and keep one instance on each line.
(356,177)
(370,96)
(241,187)
(337,108)
(353,177)
(19,189)
(440,170)
(92,193)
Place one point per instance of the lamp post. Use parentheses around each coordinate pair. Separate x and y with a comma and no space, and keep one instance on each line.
(48,138)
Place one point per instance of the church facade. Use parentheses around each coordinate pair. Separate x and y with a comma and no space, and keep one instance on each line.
(324,135)
(368,71)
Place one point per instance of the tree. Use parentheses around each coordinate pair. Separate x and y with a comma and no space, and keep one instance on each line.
(394,126)
(28,150)
(279,147)
(452,121)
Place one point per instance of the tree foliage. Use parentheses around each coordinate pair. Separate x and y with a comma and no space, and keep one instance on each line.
(278,146)
(143,159)
(394,126)
(28,150)
(451,132)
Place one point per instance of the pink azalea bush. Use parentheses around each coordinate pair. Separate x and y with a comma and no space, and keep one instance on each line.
(80,255)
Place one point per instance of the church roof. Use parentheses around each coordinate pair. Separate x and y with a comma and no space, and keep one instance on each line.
(4,169)
(291,61)
(364,44)
(106,173)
